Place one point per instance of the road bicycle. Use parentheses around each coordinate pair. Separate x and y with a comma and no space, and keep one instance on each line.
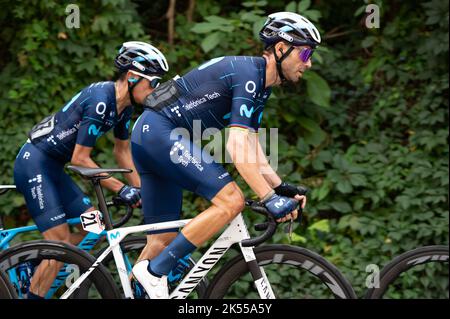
(269,271)
(19,277)
(413,264)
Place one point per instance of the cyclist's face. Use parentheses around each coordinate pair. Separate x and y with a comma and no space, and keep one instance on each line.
(293,65)
(141,90)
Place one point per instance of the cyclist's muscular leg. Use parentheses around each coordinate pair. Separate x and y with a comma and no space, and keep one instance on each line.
(156,244)
(46,271)
(226,205)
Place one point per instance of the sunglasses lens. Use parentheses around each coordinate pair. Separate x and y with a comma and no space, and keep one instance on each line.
(306,54)
(155,83)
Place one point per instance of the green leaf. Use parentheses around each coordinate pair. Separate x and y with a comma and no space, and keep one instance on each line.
(358,204)
(218,20)
(291,6)
(289,117)
(315,138)
(322,225)
(308,124)
(344,186)
(317,56)
(318,90)
(342,207)
(303,6)
(250,4)
(360,10)
(313,15)
(298,239)
(204,27)
(211,41)
(368,41)
(358,180)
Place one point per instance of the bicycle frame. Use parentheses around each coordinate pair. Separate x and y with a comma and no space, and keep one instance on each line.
(86,244)
(236,232)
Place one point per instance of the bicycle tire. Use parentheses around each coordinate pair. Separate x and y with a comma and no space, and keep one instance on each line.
(7,290)
(404,262)
(138,243)
(38,250)
(298,257)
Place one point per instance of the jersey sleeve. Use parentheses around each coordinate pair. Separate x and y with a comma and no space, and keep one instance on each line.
(246,106)
(121,130)
(92,122)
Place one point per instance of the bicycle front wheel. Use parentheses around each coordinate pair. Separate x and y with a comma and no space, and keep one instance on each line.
(22,262)
(293,273)
(425,266)
(7,291)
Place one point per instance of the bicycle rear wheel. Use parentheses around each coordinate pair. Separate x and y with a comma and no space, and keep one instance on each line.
(408,268)
(293,273)
(75,261)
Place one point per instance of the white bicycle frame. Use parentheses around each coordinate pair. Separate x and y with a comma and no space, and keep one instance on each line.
(236,232)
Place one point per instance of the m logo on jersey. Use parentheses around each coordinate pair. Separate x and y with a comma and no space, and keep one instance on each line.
(93,130)
(244,110)
(280,203)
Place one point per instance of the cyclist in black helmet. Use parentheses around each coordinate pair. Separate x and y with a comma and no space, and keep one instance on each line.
(70,135)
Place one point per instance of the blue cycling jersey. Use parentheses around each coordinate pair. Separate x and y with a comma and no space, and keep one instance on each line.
(225,91)
(86,117)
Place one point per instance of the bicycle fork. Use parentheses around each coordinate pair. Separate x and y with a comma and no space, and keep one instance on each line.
(261,282)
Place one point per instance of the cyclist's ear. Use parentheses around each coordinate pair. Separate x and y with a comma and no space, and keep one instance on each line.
(131,77)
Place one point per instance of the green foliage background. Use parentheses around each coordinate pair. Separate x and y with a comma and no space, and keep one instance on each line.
(366,130)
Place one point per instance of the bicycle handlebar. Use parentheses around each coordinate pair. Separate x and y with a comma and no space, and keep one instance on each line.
(117,201)
(269,226)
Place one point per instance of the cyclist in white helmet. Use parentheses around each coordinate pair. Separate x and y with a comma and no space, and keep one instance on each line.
(70,136)
(237,88)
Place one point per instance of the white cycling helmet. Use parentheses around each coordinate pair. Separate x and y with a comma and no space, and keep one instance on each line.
(290,27)
(141,58)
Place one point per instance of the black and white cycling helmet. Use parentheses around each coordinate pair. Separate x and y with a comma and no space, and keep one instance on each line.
(290,27)
(141,58)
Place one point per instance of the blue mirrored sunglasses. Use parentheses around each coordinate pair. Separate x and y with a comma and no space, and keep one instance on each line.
(305,54)
(154,81)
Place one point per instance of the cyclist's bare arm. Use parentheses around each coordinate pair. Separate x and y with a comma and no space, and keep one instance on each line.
(122,153)
(82,157)
(266,170)
(243,152)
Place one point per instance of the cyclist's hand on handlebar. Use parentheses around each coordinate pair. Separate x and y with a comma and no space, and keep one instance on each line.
(289,190)
(130,195)
(301,199)
(280,207)
(292,191)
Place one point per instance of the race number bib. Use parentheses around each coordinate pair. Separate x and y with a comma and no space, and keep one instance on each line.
(92,222)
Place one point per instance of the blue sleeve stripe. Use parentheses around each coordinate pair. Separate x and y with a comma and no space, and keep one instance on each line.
(91,118)
(229,74)
(85,100)
(243,98)
(185,86)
